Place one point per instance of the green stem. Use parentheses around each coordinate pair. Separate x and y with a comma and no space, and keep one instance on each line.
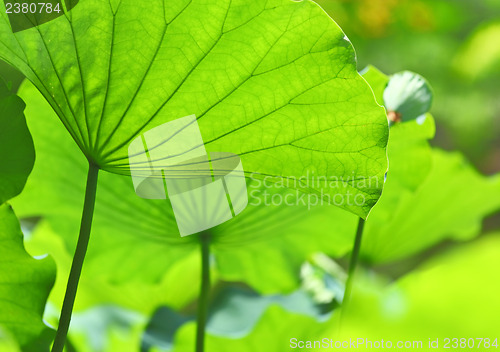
(76,266)
(204,291)
(353,262)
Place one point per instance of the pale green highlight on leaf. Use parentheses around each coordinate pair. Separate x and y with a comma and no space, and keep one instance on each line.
(480,54)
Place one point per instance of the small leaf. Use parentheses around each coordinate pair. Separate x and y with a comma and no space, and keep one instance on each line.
(377,81)
(410,153)
(25,282)
(407,96)
(426,198)
(408,149)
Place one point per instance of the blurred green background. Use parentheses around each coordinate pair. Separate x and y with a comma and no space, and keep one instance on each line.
(455,44)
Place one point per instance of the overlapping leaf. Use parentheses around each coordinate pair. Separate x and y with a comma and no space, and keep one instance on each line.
(408,149)
(450,204)
(273,81)
(16,153)
(24,282)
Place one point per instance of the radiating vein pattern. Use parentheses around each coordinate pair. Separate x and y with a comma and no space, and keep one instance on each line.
(274,81)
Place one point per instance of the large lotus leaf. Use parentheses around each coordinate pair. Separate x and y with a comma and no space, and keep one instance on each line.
(137,240)
(122,219)
(266,246)
(274,81)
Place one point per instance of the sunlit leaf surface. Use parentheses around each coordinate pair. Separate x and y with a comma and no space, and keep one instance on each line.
(273,81)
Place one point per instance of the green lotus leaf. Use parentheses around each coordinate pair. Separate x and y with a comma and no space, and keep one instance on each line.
(272,81)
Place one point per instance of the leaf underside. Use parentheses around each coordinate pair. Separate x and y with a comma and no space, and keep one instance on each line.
(136,240)
(274,81)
